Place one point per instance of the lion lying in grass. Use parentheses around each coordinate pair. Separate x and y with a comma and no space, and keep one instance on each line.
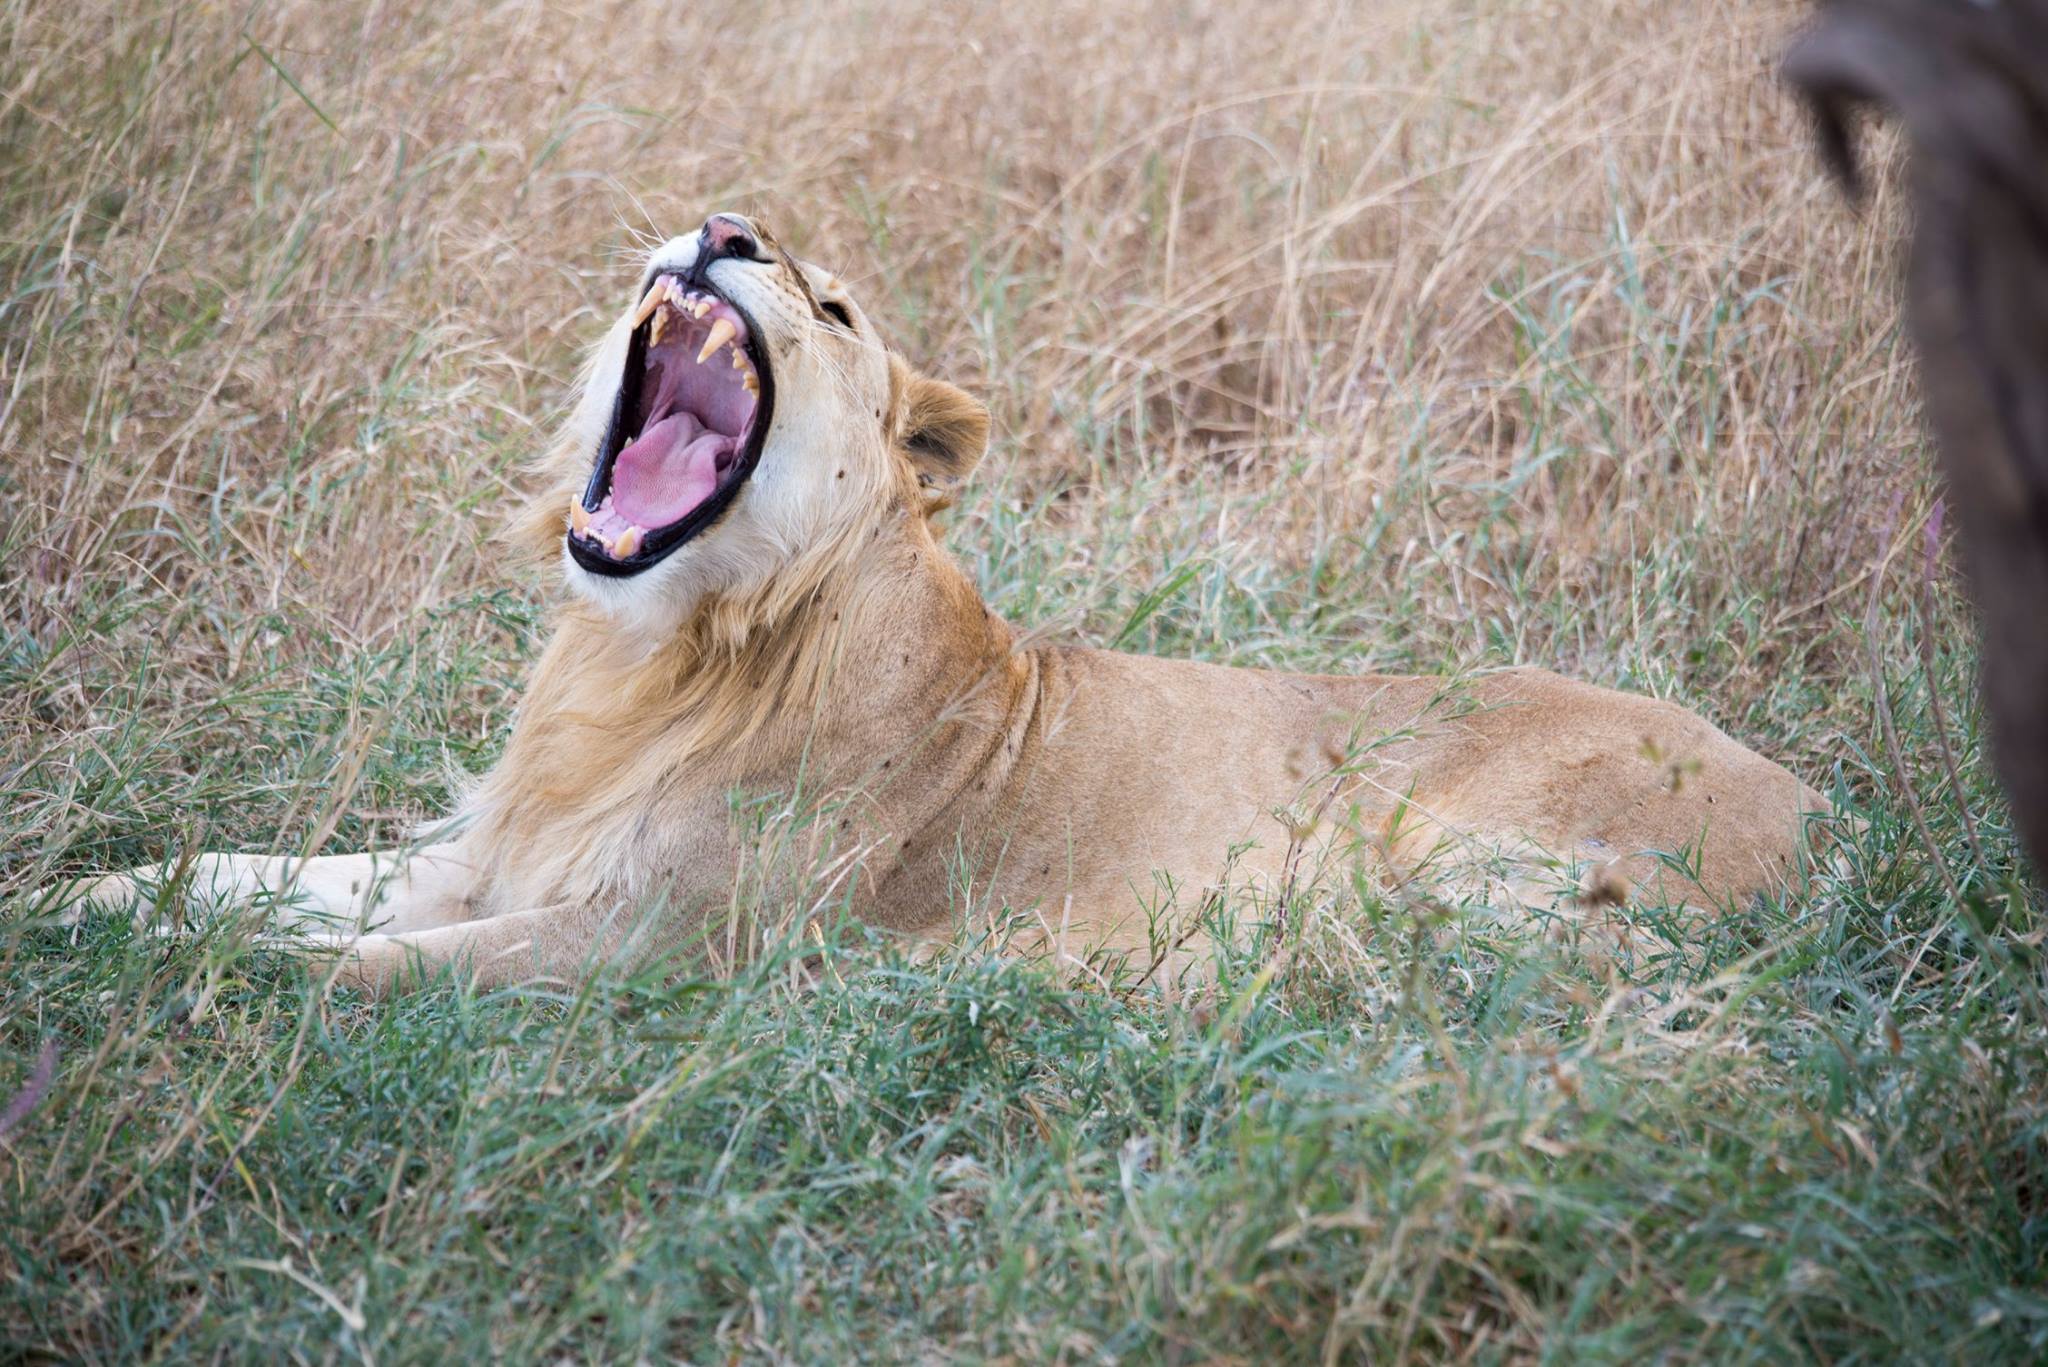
(761,605)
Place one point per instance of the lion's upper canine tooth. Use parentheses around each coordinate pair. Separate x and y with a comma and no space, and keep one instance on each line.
(655,293)
(722,331)
(628,542)
(660,326)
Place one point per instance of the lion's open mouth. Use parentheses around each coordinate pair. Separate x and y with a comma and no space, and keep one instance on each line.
(685,432)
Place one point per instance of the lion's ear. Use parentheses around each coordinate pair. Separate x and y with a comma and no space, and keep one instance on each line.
(943,430)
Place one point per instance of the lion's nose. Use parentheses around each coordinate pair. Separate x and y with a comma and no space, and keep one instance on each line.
(726,235)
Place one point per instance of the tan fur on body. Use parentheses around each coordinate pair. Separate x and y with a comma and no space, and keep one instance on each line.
(820,638)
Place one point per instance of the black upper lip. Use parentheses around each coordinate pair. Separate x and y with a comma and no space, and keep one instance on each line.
(662,541)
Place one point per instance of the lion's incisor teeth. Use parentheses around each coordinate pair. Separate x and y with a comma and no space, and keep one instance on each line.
(722,332)
(628,542)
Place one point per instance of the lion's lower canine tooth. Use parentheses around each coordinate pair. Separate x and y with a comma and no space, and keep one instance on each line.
(579,516)
(628,542)
(722,332)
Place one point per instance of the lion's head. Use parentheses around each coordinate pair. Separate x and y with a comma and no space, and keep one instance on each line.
(741,415)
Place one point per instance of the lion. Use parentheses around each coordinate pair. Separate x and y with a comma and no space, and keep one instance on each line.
(743,501)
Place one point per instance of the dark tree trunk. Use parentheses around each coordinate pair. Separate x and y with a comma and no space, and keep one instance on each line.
(1969,82)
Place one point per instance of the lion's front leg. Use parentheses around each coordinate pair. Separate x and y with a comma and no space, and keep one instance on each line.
(392,891)
(556,944)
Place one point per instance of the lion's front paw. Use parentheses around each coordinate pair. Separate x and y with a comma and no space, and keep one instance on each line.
(381,965)
(368,963)
(76,898)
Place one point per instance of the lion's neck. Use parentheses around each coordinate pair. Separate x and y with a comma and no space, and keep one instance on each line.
(867,671)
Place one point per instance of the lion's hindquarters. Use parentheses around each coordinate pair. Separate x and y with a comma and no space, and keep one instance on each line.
(1626,797)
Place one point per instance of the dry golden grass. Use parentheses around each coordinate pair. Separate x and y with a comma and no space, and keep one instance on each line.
(1293,244)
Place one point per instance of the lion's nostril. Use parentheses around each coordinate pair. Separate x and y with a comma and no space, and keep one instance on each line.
(727,235)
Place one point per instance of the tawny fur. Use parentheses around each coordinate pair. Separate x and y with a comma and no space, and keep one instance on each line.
(821,640)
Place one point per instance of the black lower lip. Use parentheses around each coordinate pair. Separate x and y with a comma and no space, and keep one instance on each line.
(663,542)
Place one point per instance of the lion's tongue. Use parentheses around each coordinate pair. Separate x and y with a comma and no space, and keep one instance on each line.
(671,469)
